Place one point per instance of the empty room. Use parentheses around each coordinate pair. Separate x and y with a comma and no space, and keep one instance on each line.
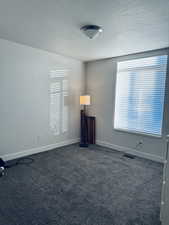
(84,112)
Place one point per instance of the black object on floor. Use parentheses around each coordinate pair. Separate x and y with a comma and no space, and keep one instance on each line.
(129,156)
(77,186)
(2,163)
(2,167)
(7,165)
(20,161)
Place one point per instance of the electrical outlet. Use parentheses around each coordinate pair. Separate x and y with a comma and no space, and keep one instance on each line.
(140,142)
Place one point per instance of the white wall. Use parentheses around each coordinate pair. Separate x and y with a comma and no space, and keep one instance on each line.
(24,98)
(101,77)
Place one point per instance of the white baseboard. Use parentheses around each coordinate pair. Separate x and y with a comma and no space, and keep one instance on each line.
(38,149)
(131,151)
(73,141)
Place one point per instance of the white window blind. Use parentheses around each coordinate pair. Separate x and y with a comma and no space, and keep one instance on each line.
(140,90)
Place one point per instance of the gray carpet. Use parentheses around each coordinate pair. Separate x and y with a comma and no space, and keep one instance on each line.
(73,186)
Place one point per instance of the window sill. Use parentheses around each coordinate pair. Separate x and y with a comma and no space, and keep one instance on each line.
(138,133)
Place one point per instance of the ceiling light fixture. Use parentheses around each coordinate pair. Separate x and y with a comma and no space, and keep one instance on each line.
(91,31)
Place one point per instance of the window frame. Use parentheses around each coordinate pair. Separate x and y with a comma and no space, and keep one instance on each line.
(166,94)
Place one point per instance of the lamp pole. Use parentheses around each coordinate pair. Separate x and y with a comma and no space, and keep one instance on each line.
(84,100)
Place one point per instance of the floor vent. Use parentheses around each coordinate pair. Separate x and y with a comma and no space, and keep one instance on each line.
(129,156)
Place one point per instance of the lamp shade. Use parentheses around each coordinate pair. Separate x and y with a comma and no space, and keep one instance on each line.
(85,100)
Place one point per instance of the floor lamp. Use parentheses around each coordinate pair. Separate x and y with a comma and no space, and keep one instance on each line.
(84,101)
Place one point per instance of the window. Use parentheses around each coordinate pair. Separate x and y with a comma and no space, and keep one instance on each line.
(58,101)
(140,90)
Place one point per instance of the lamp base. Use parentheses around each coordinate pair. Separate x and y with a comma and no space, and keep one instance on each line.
(83,145)
(84,130)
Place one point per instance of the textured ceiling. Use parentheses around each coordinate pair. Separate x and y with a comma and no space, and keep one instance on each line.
(130,26)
